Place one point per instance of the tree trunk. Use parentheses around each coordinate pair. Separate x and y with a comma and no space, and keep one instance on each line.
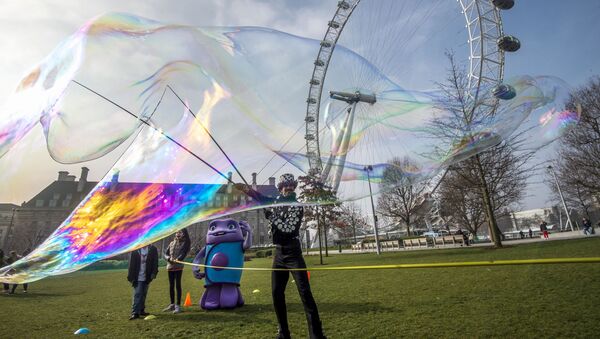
(489,211)
(319,234)
(354,229)
(325,238)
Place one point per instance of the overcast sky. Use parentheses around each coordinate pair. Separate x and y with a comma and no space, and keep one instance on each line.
(558,38)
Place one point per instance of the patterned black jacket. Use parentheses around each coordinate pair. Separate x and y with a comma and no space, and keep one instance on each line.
(285,221)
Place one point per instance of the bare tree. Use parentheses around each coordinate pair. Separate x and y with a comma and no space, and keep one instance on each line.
(401,194)
(578,166)
(505,170)
(460,203)
(327,214)
(494,178)
(352,221)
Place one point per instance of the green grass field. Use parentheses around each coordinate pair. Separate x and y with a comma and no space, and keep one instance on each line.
(503,301)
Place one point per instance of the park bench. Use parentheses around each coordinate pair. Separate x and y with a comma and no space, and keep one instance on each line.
(393,244)
(438,241)
(389,245)
(417,242)
(458,239)
(452,240)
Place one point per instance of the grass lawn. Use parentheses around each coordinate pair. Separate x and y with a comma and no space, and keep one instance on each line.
(504,301)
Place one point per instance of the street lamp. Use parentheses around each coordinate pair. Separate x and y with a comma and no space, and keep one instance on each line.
(561,196)
(369,169)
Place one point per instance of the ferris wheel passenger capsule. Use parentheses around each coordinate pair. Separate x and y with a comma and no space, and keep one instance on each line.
(503,4)
(504,92)
(509,43)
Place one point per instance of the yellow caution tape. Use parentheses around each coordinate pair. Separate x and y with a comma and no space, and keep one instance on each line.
(427,265)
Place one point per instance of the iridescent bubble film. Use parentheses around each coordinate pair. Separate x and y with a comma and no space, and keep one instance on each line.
(175,91)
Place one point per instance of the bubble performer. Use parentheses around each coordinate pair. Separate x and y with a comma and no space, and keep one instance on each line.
(285,224)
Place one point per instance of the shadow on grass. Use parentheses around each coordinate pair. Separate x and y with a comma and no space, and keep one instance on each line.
(250,311)
(235,315)
(35,295)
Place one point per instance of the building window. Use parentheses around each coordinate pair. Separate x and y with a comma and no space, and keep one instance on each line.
(66,203)
(56,196)
(52,203)
(39,203)
(69,196)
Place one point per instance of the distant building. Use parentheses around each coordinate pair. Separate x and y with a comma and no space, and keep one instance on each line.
(31,223)
(7,214)
(523,220)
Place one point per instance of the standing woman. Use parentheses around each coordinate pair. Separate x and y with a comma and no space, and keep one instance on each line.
(177,250)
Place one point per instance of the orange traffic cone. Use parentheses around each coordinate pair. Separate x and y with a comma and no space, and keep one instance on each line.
(188,300)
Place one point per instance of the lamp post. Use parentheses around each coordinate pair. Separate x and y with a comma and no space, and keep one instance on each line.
(369,169)
(561,197)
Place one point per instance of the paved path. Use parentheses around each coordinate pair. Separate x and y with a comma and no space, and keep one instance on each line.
(553,237)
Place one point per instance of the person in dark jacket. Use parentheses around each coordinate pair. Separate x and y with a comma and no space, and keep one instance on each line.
(544,229)
(285,224)
(587,226)
(3,263)
(14,258)
(143,268)
(176,251)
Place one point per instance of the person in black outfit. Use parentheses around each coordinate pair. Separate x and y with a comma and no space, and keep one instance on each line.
(587,226)
(285,224)
(143,268)
(5,287)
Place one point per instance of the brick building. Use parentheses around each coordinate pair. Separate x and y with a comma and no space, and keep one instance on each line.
(28,225)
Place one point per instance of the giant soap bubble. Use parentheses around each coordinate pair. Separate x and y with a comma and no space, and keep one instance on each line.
(177,91)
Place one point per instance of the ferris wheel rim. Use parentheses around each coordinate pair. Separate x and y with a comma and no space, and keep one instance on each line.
(487,19)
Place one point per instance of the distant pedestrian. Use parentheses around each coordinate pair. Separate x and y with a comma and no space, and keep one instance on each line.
(587,226)
(544,229)
(521,234)
(530,233)
(143,268)
(3,263)
(25,253)
(465,236)
(176,251)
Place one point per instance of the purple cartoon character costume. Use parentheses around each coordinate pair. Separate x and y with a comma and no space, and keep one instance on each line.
(226,242)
